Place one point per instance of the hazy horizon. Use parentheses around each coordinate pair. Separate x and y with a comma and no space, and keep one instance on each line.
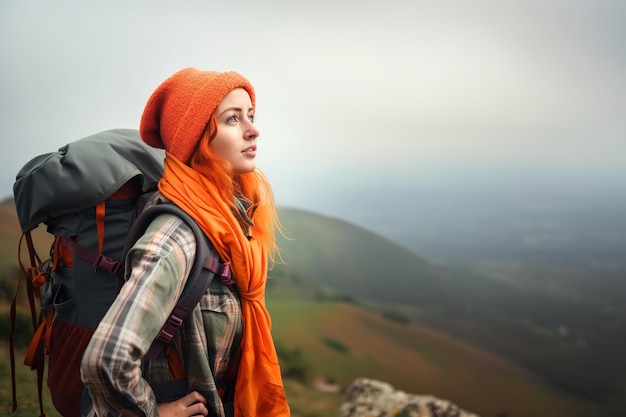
(394,98)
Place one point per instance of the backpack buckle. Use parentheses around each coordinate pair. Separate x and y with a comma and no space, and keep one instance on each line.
(174,322)
(226,275)
(107,264)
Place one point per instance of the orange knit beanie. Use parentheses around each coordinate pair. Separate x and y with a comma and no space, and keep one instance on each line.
(179,109)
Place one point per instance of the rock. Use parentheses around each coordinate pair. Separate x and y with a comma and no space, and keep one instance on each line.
(371,398)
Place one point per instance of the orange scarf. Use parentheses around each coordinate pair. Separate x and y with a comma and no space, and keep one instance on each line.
(259,389)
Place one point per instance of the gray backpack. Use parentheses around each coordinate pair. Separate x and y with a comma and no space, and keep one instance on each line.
(90,194)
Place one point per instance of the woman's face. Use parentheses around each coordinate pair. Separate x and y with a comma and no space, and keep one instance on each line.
(236,136)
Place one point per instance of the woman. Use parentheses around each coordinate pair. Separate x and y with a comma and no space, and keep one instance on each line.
(205,122)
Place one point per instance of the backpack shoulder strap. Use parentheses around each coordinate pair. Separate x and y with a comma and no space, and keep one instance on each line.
(206,265)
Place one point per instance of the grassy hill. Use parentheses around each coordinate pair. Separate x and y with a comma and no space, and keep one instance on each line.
(344,258)
(562,322)
(10,234)
(341,342)
(456,333)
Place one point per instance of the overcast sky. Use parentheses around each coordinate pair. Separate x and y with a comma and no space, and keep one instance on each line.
(350,93)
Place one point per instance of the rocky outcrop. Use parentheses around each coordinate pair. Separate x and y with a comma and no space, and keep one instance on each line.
(371,398)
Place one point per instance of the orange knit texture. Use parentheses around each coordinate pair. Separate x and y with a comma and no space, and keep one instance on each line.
(179,109)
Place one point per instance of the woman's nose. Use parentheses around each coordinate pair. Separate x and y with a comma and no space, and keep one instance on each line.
(252,131)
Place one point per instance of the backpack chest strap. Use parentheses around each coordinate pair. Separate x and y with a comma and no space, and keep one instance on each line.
(98,260)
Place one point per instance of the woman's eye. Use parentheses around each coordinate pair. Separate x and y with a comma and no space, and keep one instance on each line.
(251,118)
(232,119)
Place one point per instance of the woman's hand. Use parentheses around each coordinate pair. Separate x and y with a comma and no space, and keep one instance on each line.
(191,405)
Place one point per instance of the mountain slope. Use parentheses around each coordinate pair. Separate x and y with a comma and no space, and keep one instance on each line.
(412,358)
(572,344)
(10,237)
(351,260)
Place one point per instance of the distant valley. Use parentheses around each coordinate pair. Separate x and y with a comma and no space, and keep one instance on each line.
(561,320)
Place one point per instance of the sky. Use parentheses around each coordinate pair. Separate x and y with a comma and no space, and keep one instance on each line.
(351,95)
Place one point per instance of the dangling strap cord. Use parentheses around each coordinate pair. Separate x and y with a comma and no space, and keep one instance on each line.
(32,290)
(34,261)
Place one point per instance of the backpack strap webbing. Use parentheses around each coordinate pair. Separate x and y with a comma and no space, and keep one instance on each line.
(100,213)
(98,260)
(30,274)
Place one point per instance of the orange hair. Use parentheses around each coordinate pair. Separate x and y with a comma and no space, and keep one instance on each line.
(253,185)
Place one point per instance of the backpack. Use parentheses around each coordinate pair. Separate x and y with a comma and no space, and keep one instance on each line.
(91,195)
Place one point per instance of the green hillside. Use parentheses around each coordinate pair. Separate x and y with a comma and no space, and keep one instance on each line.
(347,259)
(484,340)
(340,342)
(562,322)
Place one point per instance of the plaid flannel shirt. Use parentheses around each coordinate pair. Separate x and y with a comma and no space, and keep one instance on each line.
(118,378)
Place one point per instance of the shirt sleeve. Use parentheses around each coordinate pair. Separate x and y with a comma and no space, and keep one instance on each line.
(156,271)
